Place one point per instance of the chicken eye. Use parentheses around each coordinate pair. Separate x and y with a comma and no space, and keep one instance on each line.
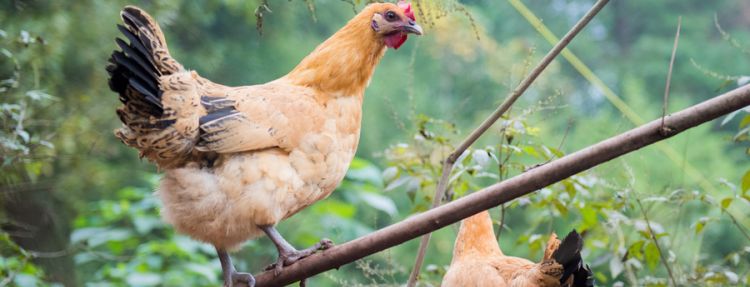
(390,16)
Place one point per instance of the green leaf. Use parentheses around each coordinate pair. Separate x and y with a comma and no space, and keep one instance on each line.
(745,121)
(202,269)
(144,224)
(589,216)
(615,266)
(745,186)
(364,171)
(530,150)
(699,226)
(109,235)
(729,117)
(25,280)
(144,279)
(731,277)
(380,202)
(38,95)
(85,233)
(390,173)
(398,182)
(24,135)
(560,207)
(332,206)
(636,250)
(726,202)
(554,151)
(652,255)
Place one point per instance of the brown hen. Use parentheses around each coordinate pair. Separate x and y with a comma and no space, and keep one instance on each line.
(237,160)
(478,261)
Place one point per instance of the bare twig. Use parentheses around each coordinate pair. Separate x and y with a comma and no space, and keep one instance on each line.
(51,254)
(737,224)
(656,241)
(479,131)
(311,8)
(502,221)
(259,14)
(727,37)
(669,75)
(508,190)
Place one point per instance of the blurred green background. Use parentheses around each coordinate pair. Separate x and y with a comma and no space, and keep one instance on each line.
(77,208)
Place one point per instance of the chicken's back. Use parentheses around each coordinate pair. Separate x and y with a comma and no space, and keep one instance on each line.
(473,274)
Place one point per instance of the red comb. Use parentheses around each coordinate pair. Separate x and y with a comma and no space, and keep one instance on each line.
(407,9)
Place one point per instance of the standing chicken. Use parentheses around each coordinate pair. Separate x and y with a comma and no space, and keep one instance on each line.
(478,261)
(237,160)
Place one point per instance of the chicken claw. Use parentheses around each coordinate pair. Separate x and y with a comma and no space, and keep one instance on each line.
(232,278)
(288,255)
(236,279)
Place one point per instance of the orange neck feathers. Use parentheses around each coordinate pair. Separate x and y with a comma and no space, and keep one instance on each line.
(343,64)
(476,236)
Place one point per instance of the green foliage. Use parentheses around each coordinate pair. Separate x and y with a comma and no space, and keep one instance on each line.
(123,242)
(24,133)
(16,268)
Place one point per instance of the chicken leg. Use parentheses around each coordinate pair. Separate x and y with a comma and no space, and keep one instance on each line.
(230,275)
(288,255)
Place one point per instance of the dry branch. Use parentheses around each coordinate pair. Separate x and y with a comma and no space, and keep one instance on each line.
(508,190)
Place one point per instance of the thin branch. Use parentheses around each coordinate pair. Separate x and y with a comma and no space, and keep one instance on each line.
(508,190)
(669,72)
(655,240)
(610,95)
(727,37)
(737,224)
(479,131)
(51,254)
(502,221)
(502,172)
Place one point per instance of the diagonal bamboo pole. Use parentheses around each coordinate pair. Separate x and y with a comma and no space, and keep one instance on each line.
(510,189)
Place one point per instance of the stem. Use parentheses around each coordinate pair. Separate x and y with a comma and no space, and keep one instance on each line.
(736,223)
(669,72)
(656,241)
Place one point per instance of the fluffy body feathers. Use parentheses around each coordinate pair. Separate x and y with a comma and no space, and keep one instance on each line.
(478,260)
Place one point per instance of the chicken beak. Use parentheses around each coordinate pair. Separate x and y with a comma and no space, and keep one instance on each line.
(412,28)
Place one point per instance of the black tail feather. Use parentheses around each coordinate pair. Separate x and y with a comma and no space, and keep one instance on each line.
(133,72)
(568,254)
(583,277)
(137,56)
(133,17)
(132,67)
(137,44)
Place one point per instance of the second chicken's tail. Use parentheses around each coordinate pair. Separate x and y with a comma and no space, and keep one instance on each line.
(568,254)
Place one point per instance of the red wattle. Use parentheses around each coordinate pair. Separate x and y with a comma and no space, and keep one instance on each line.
(396,40)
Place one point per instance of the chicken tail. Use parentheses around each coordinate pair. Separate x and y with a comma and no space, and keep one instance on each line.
(136,74)
(568,254)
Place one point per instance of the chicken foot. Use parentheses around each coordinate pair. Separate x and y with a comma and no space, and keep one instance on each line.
(232,278)
(288,255)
